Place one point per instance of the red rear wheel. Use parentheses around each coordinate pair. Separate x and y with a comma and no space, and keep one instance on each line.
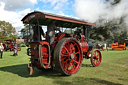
(96,58)
(68,56)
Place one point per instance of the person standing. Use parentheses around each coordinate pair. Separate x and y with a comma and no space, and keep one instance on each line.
(38,32)
(15,50)
(50,35)
(1,49)
(105,46)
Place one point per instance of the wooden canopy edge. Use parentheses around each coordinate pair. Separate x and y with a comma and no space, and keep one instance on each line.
(38,15)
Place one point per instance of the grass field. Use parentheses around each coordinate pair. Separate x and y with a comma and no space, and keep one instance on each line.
(112,71)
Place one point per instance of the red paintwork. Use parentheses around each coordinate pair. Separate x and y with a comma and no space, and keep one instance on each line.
(45,54)
(84,46)
(117,46)
(67,19)
(88,53)
(59,37)
(11,47)
(71,56)
(10,44)
(82,38)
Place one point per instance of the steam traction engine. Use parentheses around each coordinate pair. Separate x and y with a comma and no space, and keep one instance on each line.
(68,49)
(9,44)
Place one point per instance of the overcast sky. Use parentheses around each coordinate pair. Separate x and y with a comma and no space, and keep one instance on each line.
(90,10)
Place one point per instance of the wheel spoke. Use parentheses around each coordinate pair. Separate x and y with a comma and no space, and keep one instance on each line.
(77,52)
(63,62)
(66,49)
(73,68)
(75,44)
(66,66)
(75,61)
(63,58)
(97,55)
(68,46)
(94,59)
(75,58)
(94,54)
(65,55)
(97,61)
(68,43)
(71,48)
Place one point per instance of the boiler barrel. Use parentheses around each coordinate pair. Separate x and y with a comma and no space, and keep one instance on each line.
(90,46)
(86,46)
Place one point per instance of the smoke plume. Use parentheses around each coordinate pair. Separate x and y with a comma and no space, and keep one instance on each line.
(93,10)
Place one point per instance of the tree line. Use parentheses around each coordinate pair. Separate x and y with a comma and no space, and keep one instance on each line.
(7,31)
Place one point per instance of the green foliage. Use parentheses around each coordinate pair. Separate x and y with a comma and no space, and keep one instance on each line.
(24,31)
(112,31)
(7,31)
(22,44)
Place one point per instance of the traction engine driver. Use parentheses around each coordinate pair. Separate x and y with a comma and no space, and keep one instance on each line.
(50,35)
(77,34)
(38,32)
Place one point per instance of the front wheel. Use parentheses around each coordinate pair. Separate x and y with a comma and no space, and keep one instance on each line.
(68,56)
(96,58)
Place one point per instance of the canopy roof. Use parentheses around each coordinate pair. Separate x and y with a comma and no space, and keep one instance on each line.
(46,18)
(8,39)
